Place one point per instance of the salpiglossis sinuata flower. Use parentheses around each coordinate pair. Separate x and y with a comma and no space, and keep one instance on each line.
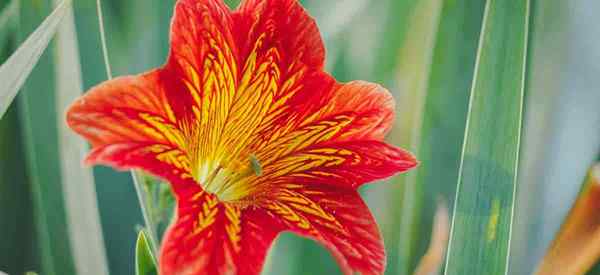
(253,137)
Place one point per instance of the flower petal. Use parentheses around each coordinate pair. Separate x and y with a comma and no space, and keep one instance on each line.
(356,111)
(345,164)
(281,24)
(202,67)
(126,109)
(131,125)
(372,104)
(210,237)
(335,217)
(237,91)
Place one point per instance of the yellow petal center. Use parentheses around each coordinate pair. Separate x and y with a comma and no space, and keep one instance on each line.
(229,182)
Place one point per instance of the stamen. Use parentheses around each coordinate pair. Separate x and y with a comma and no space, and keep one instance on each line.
(230,181)
(212,176)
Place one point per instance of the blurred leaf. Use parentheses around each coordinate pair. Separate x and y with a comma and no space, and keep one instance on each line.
(138,176)
(483,210)
(577,246)
(394,28)
(40,136)
(547,53)
(78,184)
(431,263)
(431,121)
(117,202)
(8,22)
(141,182)
(17,252)
(145,263)
(17,68)
(413,70)
(566,81)
(158,206)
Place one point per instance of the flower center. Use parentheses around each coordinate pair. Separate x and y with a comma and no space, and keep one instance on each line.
(230,183)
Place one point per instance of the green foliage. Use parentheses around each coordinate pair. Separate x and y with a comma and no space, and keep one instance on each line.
(145,262)
(483,210)
(422,51)
(435,130)
(17,68)
(40,137)
(9,15)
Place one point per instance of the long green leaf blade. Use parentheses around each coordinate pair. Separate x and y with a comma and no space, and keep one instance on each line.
(145,263)
(40,136)
(81,205)
(16,252)
(483,212)
(415,57)
(438,134)
(17,68)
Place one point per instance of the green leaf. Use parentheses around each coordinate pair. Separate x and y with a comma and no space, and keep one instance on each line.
(145,263)
(15,199)
(8,22)
(484,205)
(413,74)
(17,68)
(138,177)
(39,118)
(78,183)
(546,75)
(117,202)
(157,205)
(431,124)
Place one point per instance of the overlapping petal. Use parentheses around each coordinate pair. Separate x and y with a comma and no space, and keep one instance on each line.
(335,217)
(131,125)
(210,237)
(253,136)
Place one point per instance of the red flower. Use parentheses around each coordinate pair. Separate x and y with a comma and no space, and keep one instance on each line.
(253,136)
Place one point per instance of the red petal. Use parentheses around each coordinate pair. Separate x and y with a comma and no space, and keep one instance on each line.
(131,125)
(346,164)
(335,217)
(210,238)
(126,109)
(372,104)
(282,34)
(282,24)
(202,63)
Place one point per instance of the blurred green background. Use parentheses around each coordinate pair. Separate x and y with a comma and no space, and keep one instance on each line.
(424,51)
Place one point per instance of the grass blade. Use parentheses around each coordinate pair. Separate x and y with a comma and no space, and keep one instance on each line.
(17,68)
(439,133)
(545,78)
(483,209)
(145,262)
(83,218)
(118,206)
(137,176)
(577,246)
(16,251)
(40,136)
(8,22)
(414,67)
